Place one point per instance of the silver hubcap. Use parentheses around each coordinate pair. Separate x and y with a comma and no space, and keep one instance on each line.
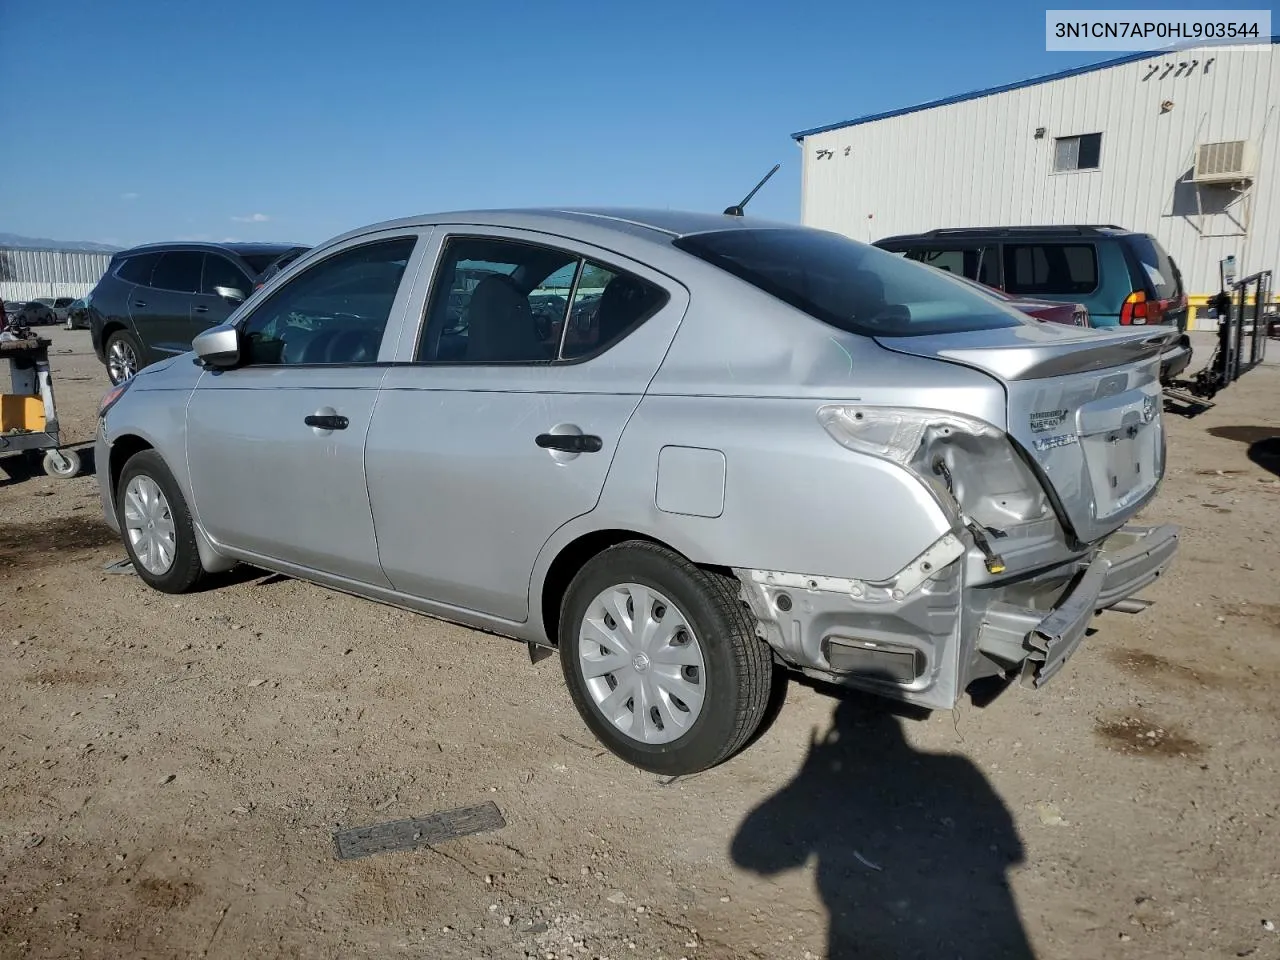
(121,362)
(148,522)
(642,663)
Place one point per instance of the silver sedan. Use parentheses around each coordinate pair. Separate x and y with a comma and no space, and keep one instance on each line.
(688,451)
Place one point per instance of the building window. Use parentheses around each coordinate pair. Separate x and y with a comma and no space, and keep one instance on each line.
(1077,153)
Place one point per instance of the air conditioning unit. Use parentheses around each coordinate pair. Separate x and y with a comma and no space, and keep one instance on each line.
(1229,161)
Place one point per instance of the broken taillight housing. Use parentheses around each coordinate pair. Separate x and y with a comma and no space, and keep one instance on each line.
(969,465)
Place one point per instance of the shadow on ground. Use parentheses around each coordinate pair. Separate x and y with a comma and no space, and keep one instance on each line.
(912,849)
(1264,443)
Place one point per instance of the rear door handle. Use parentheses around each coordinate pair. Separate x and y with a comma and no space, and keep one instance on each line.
(139,303)
(570,442)
(326,421)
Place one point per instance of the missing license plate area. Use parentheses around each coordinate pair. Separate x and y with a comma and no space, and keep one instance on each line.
(1122,465)
(418,832)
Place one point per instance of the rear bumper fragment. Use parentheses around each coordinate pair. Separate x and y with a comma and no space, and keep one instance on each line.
(1129,560)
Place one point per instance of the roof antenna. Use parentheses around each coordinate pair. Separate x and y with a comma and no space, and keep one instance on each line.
(738,210)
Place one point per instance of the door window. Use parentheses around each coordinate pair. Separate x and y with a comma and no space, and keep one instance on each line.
(221,272)
(504,301)
(335,312)
(178,271)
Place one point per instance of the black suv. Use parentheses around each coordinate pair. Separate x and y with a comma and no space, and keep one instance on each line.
(1123,277)
(154,299)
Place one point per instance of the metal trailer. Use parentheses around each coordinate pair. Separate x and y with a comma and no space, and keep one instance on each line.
(28,416)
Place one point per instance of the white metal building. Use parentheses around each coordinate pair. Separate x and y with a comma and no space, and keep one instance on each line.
(1184,145)
(27,273)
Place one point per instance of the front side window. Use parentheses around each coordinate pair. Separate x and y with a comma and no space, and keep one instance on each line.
(849,285)
(505,301)
(335,312)
(1055,269)
(221,272)
(179,271)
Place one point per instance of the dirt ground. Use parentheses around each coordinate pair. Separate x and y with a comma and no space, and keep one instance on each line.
(174,769)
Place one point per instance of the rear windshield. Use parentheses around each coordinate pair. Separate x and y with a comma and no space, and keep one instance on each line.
(1157,266)
(850,285)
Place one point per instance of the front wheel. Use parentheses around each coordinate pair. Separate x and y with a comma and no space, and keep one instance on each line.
(156,525)
(662,659)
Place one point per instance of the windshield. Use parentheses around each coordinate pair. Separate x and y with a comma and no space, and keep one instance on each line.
(850,285)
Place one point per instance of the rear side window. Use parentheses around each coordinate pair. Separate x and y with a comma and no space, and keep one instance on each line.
(1156,265)
(138,269)
(1050,268)
(178,270)
(506,301)
(850,285)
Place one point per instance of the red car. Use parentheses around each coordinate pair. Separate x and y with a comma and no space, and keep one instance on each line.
(1072,314)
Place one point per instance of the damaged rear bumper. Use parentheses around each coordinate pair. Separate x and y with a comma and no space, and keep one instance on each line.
(923,639)
(1129,560)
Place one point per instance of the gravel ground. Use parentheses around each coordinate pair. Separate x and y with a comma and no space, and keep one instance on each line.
(174,768)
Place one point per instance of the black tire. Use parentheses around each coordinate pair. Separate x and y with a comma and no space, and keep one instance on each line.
(186,570)
(129,340)
(738,664)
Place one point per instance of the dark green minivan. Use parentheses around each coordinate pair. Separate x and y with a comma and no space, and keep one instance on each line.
(1124,277)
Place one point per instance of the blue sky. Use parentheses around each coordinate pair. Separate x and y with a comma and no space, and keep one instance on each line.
(143,120)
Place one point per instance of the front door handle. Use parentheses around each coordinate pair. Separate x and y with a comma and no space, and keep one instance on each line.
(570,442)
(200,309)
(326,421)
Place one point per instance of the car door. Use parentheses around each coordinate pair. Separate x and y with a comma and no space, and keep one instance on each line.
(275,445)
(501,423)
(223,287)
(163,311)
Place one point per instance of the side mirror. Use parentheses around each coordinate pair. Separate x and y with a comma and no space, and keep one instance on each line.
(234,294)
(218,346)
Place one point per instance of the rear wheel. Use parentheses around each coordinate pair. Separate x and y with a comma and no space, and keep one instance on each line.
(156,525)
(123,352)
(662,659)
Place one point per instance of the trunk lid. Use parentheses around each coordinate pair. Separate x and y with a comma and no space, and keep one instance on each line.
(1084,405)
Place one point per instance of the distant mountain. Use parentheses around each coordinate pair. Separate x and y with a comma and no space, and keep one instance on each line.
(43,243)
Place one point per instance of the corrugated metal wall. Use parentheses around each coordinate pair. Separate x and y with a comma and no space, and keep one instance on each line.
(977,162)
(26,274)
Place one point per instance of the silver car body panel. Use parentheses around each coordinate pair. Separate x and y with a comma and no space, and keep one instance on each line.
(438,500)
